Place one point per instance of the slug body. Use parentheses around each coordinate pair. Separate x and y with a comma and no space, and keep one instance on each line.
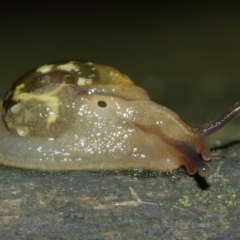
(87,116)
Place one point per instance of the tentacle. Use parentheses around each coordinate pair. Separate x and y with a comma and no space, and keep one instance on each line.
(206,153)
(193,161)
(215,125)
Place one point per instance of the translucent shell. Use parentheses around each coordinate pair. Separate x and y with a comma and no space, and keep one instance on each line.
(36,103)
(73,73)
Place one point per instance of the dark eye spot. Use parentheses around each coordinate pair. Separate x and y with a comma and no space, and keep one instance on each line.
(102,104)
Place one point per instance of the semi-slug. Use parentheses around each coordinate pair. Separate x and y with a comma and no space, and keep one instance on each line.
(86,116)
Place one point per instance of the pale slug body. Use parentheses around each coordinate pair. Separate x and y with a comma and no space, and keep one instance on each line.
(86,116)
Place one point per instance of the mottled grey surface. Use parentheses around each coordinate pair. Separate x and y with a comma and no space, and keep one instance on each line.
(187,57)
(86,205)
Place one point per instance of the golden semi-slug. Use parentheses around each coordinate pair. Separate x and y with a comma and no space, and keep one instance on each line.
(86,116)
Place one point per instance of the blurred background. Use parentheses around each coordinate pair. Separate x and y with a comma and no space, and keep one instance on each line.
(185,54)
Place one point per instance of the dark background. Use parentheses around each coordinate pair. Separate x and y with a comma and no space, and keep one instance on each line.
(185,53)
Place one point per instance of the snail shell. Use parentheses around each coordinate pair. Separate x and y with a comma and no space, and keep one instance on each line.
(86,116)
(37,101)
